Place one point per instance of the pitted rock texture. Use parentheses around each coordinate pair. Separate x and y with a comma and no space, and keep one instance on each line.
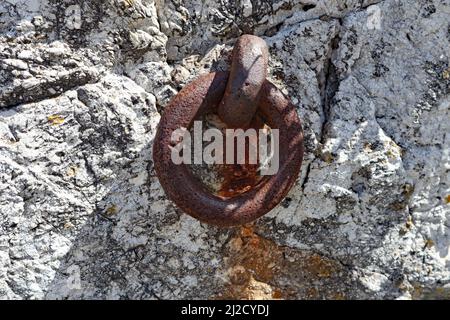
(82,87)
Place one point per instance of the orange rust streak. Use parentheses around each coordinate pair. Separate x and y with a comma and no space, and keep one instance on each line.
(240,178)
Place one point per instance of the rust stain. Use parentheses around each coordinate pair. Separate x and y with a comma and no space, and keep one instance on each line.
(438,293)
(447,199)
(258,268)
(112,210)
(55,119)
(429,243)
(240,178)
(446,74)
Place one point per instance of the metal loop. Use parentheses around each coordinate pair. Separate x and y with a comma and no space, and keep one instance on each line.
(247,75)
(204,95)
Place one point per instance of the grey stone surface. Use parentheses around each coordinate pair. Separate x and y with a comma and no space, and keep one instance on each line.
(82,215)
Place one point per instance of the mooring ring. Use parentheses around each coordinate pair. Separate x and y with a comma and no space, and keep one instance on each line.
(203,96)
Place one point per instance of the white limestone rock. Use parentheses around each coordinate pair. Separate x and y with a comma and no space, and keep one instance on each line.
(82,214)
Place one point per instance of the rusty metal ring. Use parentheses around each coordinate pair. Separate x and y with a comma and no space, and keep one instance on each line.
(204,95)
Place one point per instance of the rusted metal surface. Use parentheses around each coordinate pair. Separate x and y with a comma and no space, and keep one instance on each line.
(204,95)
(239,178)
(247,75)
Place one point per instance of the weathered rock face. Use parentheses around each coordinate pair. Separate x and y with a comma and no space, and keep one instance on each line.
(82,215)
